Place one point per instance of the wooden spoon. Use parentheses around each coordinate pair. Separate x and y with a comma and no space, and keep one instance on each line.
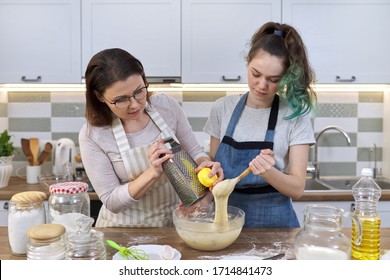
(34,148)
(26,150)
(221,193)
(45,153)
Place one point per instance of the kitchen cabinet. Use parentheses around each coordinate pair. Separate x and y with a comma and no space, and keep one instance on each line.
(347,40)
(4,213)
(40,41)
(386,135)
(149,30)
(216,36)
(347,206)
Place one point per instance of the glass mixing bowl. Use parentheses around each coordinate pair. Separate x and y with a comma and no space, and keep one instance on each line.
(198,230)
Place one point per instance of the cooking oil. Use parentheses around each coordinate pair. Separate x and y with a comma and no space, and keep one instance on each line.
(366,193)
(369,248)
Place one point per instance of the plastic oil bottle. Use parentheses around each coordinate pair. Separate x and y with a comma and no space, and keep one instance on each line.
(366,193)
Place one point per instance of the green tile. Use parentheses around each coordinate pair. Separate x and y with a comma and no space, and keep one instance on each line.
(334,110)
(23,96)
(29,124)
(202,96)
(337,169)
(71,135)
(3,110)
(370,125)
(197,124)
(335,139)
(365,154)
(373,96)
(68,110)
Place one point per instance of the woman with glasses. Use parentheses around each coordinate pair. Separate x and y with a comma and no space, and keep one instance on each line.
(122,145)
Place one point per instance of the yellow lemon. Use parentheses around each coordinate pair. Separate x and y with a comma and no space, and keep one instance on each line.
(204,178)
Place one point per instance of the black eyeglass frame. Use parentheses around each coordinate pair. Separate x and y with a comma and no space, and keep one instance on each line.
(129,97)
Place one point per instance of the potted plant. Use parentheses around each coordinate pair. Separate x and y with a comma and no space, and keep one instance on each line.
(7,150)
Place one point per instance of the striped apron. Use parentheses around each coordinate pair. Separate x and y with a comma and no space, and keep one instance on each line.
(156,207)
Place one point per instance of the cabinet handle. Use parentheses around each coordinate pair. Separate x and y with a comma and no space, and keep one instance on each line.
(352,207)
(352,79)
(231,79)
(37,79)
(5,206)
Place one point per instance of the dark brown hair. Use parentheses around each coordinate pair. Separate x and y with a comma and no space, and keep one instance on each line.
(283,41)
(104,69)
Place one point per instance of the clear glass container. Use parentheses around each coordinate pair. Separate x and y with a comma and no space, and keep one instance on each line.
(86,243)
(321,238)
(366,193)
(26,210)
(46,242)
(68,202)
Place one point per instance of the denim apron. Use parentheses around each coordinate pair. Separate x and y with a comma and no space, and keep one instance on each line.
(263,205)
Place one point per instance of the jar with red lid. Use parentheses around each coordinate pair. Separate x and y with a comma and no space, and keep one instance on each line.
(68,202)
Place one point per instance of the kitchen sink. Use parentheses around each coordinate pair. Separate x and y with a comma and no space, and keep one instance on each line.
(340,183)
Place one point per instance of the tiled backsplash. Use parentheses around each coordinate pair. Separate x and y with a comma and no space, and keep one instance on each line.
(53,115)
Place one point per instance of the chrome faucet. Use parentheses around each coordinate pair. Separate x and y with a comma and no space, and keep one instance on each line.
(315,170)
(375,169)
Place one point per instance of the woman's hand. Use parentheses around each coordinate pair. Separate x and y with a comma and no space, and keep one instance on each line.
(157,154)
(215,167)
(263,162)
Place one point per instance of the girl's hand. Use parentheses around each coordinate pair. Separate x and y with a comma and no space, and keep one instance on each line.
(215,167)
(157,154)
(263,162)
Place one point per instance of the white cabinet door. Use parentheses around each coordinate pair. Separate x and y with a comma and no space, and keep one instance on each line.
(149,30)
(347,206)
(4,204)
(216,35)
(299,207)
(347,40)
(40,41)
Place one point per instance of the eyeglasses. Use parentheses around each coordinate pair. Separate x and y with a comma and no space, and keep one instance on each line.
(124,101)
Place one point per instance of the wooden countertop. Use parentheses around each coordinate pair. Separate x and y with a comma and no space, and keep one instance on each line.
(257,242)
(17,184)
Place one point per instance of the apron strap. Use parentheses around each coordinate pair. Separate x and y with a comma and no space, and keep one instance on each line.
(270,134)
(123,142)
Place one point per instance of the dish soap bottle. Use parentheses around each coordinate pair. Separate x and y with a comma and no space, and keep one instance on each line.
(366,193)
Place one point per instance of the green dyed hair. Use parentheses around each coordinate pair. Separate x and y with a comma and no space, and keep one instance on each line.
(292,89)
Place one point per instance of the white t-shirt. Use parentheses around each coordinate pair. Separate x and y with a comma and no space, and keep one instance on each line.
(253,124)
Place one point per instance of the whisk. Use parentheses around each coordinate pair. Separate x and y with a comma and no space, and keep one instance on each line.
(131,253)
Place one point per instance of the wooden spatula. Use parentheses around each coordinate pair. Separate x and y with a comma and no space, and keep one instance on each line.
(26,150)
(45,153)
(34,148)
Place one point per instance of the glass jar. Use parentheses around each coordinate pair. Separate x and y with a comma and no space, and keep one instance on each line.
(86,243)
(321,238)
(68,202)
(25,211)
(46,242)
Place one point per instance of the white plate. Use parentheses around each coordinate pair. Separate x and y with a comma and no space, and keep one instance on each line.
(153,251)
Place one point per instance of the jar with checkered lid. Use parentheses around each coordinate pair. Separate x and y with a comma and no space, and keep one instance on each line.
(68,202)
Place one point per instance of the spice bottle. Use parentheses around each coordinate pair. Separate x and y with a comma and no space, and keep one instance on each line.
(86,243)
(366,193)
(68,202)
(26,210)
(46,242)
